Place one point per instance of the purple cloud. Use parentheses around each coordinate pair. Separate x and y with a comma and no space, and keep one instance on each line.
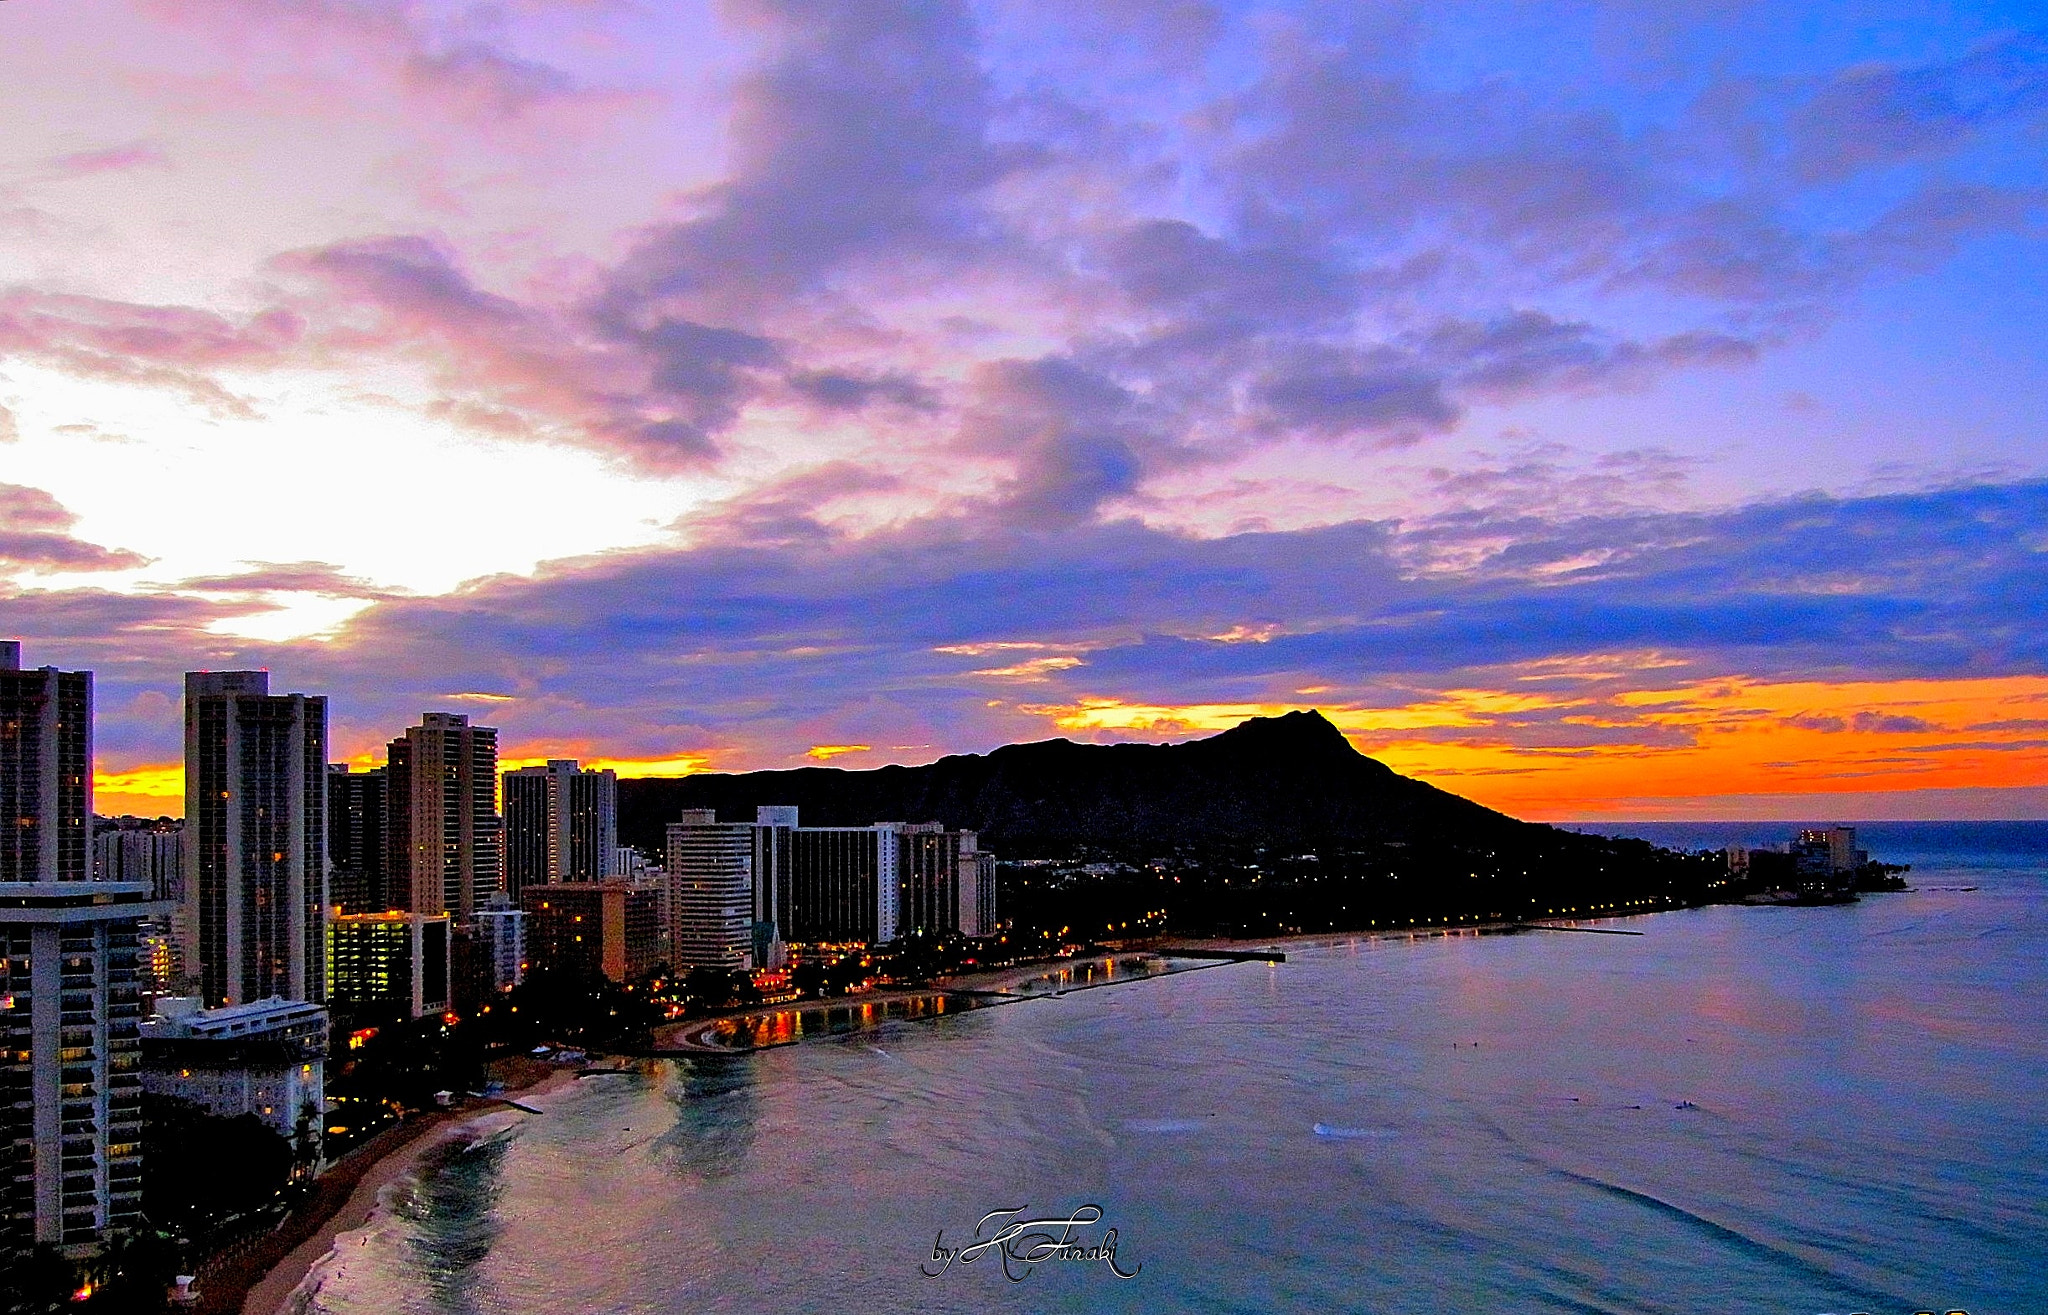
(285,577)
(862,136)
(174,348)
(995,277)
(1877,723)
(33,537)
(1878,115)
(1073,435)
(107,159)
(1387,396)
(660,649)
(1337,202)
(456,66)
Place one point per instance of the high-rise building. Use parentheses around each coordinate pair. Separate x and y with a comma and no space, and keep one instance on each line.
(391,964)
(845,884)
(930,901)
(978,915)
(70,1090)
(1832,850)
(722,881)
(145,850)
(948,883)
(256,837)
(710,874)
(151,851)
(442,826)
(819,885)
(561,824)
(267,1058)
(356,804)
(774,848)
(45,771)
(593,928)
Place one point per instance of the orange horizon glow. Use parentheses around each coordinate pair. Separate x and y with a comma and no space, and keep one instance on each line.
(683,764)
(1735,739)
(145,790)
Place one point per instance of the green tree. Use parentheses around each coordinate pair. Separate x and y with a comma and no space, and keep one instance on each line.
(808,978)
(199,1170)
(306,1135)
(133,1276)
(40,1283)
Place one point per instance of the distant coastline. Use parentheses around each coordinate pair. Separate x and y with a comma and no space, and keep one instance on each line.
(972,991)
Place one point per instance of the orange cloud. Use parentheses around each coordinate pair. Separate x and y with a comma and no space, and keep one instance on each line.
(995,646)
(1461,707)
(1032,668)
(680,765)
(1586,746)
(151,790)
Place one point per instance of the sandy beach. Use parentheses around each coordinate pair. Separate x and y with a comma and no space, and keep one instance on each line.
(272,1294)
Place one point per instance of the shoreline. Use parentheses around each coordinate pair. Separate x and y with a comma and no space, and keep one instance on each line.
(1494,927)
(272,1291)
(996,985)
(984,988)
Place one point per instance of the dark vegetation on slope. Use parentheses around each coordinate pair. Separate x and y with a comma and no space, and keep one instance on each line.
(1277,825)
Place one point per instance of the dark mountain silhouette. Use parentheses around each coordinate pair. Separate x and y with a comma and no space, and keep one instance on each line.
(1292,780)
(1276,826)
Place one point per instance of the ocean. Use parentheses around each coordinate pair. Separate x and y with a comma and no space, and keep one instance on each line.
(1839,1109)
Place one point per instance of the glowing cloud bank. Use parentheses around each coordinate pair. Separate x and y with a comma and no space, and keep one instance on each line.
(1632,410)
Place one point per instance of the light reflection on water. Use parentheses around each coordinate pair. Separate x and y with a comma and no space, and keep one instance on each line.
(1098,972)
(783,1026)
(811,1021)
(1777,1110)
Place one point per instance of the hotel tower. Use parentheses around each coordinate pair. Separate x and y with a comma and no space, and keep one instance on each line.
(70,1095)
(45,771)
(561,825)
(255,838)
(441,822)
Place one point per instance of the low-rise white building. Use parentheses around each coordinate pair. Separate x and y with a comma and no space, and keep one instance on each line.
(267,1058)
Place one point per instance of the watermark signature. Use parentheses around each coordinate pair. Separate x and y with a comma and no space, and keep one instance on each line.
(1025,1243)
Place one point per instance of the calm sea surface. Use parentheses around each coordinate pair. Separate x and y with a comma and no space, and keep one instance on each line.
(1743,1109)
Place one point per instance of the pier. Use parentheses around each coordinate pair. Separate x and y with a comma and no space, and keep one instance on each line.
(1591,931)
(1230,956)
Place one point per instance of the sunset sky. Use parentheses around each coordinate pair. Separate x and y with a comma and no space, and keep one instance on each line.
(1603,410)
